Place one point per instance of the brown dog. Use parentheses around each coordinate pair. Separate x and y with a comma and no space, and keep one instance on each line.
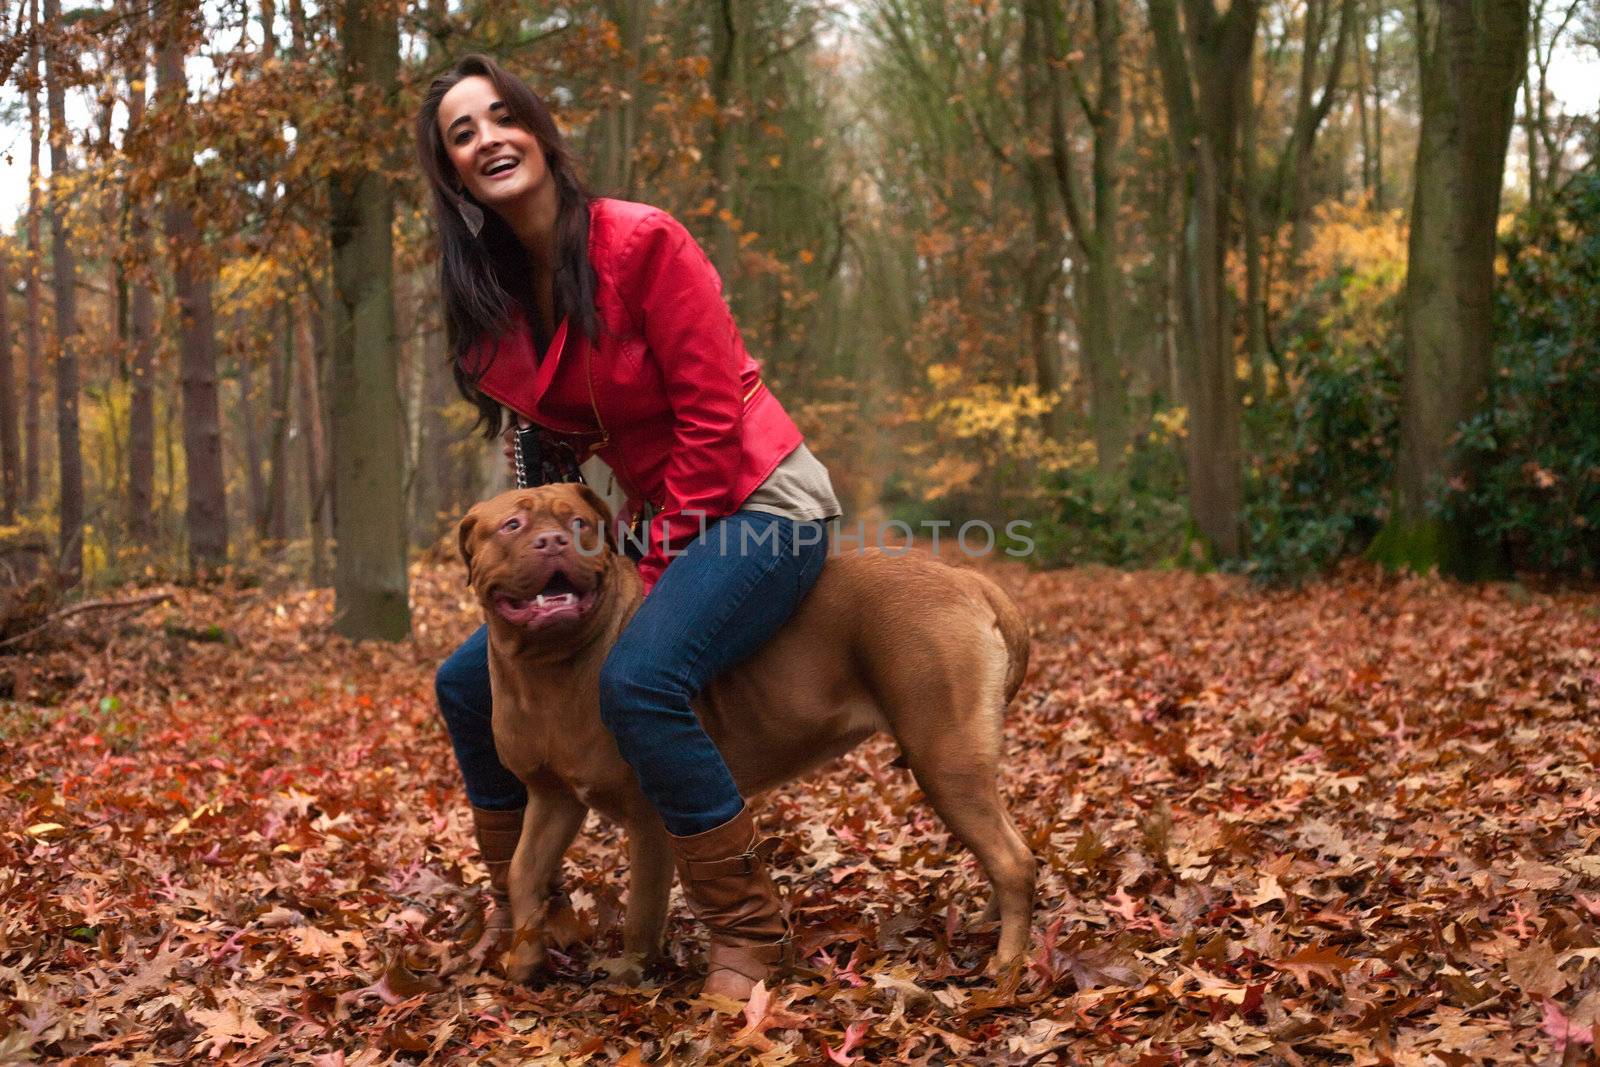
(907,644)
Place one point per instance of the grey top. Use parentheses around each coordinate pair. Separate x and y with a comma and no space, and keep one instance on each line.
(798,487)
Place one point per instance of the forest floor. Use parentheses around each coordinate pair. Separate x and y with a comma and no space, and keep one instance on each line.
(1352,823)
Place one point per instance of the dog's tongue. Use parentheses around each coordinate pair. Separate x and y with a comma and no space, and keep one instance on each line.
(538,610)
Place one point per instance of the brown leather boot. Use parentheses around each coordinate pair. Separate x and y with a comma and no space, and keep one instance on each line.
(498,833)
(724,876)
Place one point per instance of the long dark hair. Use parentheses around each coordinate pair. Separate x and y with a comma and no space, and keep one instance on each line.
(482,277)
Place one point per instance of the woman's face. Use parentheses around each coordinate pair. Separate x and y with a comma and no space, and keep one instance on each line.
(497,159)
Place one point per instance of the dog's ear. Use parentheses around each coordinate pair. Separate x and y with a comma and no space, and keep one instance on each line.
(464,538)
(600,507)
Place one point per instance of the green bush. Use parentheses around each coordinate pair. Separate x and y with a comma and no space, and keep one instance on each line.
(1533,456)
(1139,520)
(1319,488)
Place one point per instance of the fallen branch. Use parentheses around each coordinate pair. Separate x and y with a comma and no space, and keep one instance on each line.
(87,605)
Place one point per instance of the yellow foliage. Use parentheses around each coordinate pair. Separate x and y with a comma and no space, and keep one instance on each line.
(1354,237)
(250,285)
(986,410)
(1366,249)
(30,525)
(1171,423)
(982,428)
(949,473)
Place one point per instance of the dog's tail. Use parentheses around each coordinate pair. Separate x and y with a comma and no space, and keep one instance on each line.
(1013,627)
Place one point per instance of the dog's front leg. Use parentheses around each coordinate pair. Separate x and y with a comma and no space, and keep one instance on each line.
(649,886)
(552,819)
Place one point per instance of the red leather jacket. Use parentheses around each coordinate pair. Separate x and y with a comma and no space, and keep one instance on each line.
(668,397)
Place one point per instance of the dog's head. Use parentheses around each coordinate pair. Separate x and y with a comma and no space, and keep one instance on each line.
(538,558)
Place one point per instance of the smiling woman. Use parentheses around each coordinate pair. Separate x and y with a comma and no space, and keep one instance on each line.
(602,322)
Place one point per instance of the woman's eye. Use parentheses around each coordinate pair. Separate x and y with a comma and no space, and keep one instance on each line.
(510,525)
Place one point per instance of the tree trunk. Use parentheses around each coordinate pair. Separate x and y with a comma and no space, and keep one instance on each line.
(1108,388)
(727,85)
(1471,54)
(206,513)
(1311,110)
(33,396)
(273,523)
(63,271)
(1164,371)
(142,323)
(10,439)
(1043,271)
(1043,280)
(1547,141)
(1379,195)
(408,307)
(1530,132)
(1097,280)
(280,373)
(311,431)
(1363,120)
(1255,297)
(369,517)
(617,129)
(428,440)
(255,484)
(1289,194)
(1205,75)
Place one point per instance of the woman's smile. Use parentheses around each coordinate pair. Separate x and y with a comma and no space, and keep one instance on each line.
(500,167)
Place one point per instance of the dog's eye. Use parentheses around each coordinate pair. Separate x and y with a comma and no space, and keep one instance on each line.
(513,523)
(580,522)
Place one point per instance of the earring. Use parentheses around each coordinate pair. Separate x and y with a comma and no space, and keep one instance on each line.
(471,213)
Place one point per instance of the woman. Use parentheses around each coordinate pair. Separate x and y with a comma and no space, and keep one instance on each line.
(603,322)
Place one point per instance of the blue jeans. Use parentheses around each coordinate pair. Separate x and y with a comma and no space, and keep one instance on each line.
(729,592)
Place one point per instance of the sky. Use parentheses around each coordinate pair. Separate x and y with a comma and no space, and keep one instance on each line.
(1575,81)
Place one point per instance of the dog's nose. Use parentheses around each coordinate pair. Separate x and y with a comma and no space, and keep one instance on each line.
(551,541)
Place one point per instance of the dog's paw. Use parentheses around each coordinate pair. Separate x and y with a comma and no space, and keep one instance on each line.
(1006,975)
(526,955)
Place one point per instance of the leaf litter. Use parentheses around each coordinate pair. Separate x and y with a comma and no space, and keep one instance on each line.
(1351,823)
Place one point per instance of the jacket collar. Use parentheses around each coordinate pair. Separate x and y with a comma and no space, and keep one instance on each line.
(516,379)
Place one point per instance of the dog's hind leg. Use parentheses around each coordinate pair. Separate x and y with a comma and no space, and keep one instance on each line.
(649,888)
(550,822)
(971,806)
(948,724)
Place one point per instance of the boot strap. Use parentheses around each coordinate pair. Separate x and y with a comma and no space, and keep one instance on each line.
(745,863)
(755,962)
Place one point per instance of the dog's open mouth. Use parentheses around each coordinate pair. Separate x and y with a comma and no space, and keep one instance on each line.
(559,601)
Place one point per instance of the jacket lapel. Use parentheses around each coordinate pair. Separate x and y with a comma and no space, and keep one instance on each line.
(514,380)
